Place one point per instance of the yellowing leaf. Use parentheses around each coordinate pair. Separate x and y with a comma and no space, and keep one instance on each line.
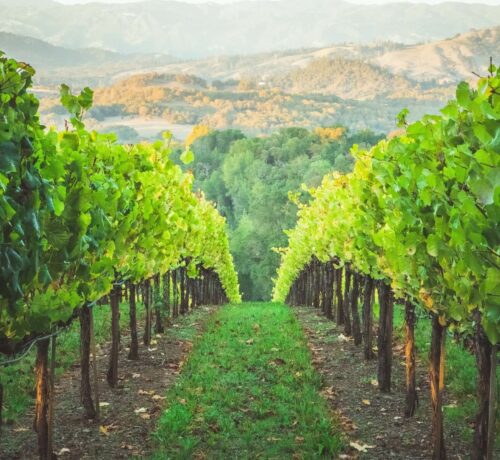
(360,447)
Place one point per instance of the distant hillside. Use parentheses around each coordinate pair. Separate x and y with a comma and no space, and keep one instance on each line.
(446,60)
(41,54)
(349,79)
(257,107)
(189,30)
(57,63)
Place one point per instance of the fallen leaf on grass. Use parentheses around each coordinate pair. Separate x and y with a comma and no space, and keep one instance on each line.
(277,362)
(366,402)
(63,451)
(249,342)
(275,349)
(147,393)
(159,398)
(299,439)
(103,430)
(273,439)
(136,376)
(103,404)
(374,382)
(360,447)
(145,416)
(328,392)
(141,410)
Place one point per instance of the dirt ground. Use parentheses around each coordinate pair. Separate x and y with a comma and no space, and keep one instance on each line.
(372,420)
(129,413)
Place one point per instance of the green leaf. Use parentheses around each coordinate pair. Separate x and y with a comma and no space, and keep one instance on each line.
(463,94)
(70,141)
(187,157)
(432,245)
(9,157)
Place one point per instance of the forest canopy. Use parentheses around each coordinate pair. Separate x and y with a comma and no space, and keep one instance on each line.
(250,179)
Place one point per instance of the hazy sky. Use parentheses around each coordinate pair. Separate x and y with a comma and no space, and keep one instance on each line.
(490,2)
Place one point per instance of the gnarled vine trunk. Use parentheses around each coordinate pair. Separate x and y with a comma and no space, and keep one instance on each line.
(133,353)
(146,337)
(112,375)
(356,327)
(368,318)
(158,304)
(482,352)
(385,337)
(42,390)
(85,386)
(347,301)
(411,400)
(436,361)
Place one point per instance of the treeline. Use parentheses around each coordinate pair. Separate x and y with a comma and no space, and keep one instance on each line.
(250,179)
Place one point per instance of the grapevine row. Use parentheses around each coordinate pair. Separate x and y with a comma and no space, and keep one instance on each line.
(418,221)
(81,216)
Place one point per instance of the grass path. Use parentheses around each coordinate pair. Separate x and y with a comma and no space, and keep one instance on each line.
(247,391)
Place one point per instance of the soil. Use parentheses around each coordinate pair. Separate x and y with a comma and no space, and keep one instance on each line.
(129,413)
(373,421)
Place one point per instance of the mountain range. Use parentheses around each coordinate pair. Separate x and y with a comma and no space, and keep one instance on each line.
(187,30)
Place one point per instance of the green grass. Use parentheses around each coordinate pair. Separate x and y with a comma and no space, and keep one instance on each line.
(19,379)
(460,373)
(248,390)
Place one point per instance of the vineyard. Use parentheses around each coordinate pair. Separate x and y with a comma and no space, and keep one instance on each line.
(106,251)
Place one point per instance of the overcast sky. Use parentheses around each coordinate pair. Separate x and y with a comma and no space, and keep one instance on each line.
(491,2)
